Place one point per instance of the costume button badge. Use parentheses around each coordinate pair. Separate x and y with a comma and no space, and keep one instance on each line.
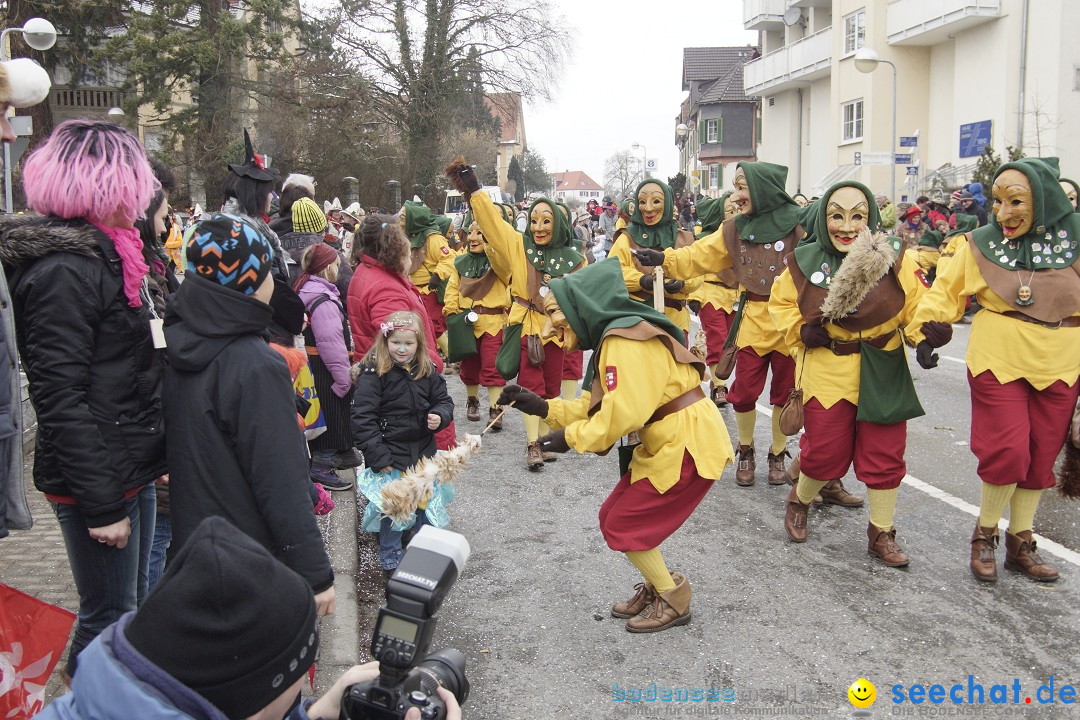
(817,277)
(779,246)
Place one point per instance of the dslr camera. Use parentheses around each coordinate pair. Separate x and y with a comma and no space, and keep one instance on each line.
(403,631)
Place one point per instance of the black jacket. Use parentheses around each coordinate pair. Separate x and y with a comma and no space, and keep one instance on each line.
(95,377)
(234,446)
(389,416)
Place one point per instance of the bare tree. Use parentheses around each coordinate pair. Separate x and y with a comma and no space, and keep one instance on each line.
(422,54)
(1044,122)
(621,172)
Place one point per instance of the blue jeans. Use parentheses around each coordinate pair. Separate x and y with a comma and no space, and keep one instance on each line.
(110,581)
(162,541)
(390,550)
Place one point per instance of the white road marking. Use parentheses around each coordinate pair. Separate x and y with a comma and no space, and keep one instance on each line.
(952,359)
(1056,549)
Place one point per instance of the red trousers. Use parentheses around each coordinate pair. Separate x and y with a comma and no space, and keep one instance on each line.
(716,324)
(1018,431)
(546,380)
(637,517)
(833,439)
(573,365)
(434,311)
(479,369)
(750,369)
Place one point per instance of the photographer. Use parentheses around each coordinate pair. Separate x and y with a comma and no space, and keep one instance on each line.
(228,632)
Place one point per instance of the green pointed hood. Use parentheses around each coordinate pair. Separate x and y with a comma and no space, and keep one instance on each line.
(1076,188)
(556,258)
(470,264)
(964,224)
(661,235)
(595,301)
(775,213)
(817,257)
(419,223)
(1053,242)
(444,224)
(931,239)
(710,212)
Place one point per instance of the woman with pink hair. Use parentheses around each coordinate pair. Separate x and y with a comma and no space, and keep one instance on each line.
(91,341)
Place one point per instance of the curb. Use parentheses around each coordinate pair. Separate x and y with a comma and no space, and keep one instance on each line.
(339,647)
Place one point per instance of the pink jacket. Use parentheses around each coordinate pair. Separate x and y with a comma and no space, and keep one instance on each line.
(327,325)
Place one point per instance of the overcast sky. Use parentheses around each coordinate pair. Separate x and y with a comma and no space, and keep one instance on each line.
(623,83)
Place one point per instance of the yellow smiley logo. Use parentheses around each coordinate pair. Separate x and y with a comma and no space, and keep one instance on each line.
(862,693)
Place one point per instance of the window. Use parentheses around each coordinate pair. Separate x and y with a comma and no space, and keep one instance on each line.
(714,177)
(854,32)
(711,131)
(853,120)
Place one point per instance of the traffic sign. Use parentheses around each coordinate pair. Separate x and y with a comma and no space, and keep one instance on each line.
(913,170)
(909,141)
(974,137)
(903,158)
(873,158)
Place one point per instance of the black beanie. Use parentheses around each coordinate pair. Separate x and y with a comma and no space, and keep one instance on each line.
(228,621)
(288,309)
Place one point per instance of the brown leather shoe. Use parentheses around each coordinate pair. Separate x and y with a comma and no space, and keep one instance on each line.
(1020,555)
(747,465)
(549,456)
(667,610)
(718,393)
(883,545)
(493,413)
(777,474)
(643,595)
(836,494)
(983,563)
(534,456)
(795,517)
(472,409)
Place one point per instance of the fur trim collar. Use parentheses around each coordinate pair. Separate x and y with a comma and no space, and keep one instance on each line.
(25,238)
(868,261)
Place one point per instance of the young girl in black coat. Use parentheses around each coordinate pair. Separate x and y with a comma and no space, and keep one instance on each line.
(400,402)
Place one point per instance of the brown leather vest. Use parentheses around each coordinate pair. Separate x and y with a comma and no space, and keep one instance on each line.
(416,256)
(1055,291)
(884,301)
(756,266)
(477,288)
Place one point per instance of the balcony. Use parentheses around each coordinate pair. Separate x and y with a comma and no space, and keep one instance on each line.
(928,22)
(790,66)
(764,14)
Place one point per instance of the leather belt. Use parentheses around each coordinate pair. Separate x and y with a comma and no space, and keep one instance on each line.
(754,297)
(717,282)
(851,347)
(481,310)
(668,302)
(527,305)
(313,351)
(1071,321)
(685,400)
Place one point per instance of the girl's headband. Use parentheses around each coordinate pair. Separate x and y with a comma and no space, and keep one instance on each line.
(388,327)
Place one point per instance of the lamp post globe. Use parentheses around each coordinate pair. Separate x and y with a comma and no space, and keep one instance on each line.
(39,33)
(866,60)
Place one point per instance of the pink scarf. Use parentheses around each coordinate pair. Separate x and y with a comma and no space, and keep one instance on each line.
(129,247)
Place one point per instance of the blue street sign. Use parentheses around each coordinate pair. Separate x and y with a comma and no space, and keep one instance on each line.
(974,137)
(903,158)
(909,141)
(913,170)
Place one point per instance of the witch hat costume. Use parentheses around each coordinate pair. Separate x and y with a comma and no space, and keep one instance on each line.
(254,165)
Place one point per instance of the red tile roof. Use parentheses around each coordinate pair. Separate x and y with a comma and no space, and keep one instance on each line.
(572,180)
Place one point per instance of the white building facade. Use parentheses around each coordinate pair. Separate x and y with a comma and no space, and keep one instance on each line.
(965,77)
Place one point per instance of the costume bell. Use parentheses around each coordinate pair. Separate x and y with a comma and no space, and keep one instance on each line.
(714,300)
(432,261)
(652,224)
(474,287)
(841,302)
(753,244)
(642,379)
(527,263)
(1023,357)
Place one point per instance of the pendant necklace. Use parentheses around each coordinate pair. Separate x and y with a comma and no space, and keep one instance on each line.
(1024,296)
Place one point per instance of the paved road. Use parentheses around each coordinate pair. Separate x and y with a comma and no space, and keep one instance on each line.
(783,628)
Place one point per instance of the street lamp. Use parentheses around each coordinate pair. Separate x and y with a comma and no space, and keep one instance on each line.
(39,34)
(866,61)
(644,159)
(116,112)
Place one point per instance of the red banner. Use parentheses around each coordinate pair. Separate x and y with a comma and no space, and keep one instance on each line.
(32,639)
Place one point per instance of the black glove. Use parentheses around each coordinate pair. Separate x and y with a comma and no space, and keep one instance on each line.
(434,282)
(554,441)
(695,307)
(814,336)
(673,286)
(463,177)
(938,334)
(524,400)
(646,283)
(924,353)
(649,256)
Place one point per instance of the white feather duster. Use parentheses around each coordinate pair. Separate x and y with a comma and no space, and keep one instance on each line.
(403,496)
(869,260)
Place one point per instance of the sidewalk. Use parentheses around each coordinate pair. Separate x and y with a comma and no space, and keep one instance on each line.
(35,562)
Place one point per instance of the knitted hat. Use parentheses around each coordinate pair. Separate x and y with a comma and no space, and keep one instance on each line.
(307,217)
(23,83)
(305,181)
(228,621)
(229,251)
